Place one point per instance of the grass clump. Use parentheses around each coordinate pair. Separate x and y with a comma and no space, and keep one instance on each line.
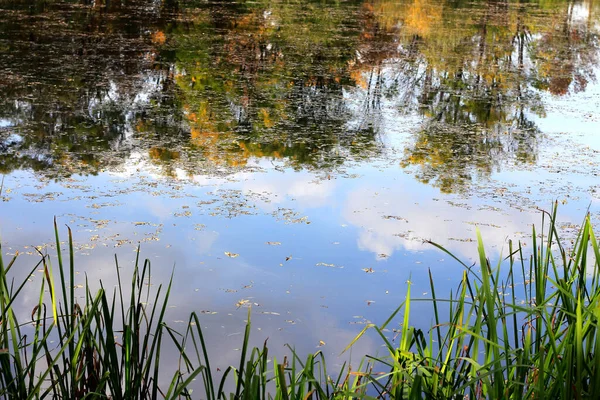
(503,337)
(524,327)
(95,348)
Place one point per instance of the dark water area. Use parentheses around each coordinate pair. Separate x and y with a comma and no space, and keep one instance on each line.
(293,156)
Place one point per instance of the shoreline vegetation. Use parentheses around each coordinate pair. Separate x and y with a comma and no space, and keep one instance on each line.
(521,327)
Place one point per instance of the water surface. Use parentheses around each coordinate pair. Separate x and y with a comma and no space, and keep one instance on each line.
(293,155)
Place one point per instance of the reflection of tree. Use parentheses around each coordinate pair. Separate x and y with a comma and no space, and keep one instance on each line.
(69,89)
(450,156)
(567,53)
(271,83)
(472,72)
(221,83)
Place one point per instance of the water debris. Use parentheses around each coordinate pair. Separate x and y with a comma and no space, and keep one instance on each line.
(100,223)
(328,265)
(41,197)
(321,343)
(290,216)
(242,302)
(368,270)
(232,255)
(397,218)
(97,206)
(482,224)
(273,243)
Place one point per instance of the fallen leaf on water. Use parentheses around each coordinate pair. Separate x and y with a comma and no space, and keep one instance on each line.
(321,343)
(232,255)
(368,270)
(242,302)
(395,217)
(322,264)
(273,243)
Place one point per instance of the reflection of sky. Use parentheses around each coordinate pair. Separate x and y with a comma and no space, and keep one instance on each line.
(310,287)
(576,115)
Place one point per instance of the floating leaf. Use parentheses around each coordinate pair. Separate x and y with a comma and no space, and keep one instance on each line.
(232,255)
(322,264)
(242,303)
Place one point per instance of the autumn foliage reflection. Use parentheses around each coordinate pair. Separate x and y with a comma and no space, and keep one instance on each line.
(216,85)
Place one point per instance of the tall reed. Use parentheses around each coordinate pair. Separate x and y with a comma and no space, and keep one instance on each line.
(525,327)
(105,348)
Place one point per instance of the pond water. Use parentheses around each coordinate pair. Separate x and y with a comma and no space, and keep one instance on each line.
(293,155)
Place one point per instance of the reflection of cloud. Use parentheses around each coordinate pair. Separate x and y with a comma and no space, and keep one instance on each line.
(160,208)
(391,219)
(205,241)
(307,189)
